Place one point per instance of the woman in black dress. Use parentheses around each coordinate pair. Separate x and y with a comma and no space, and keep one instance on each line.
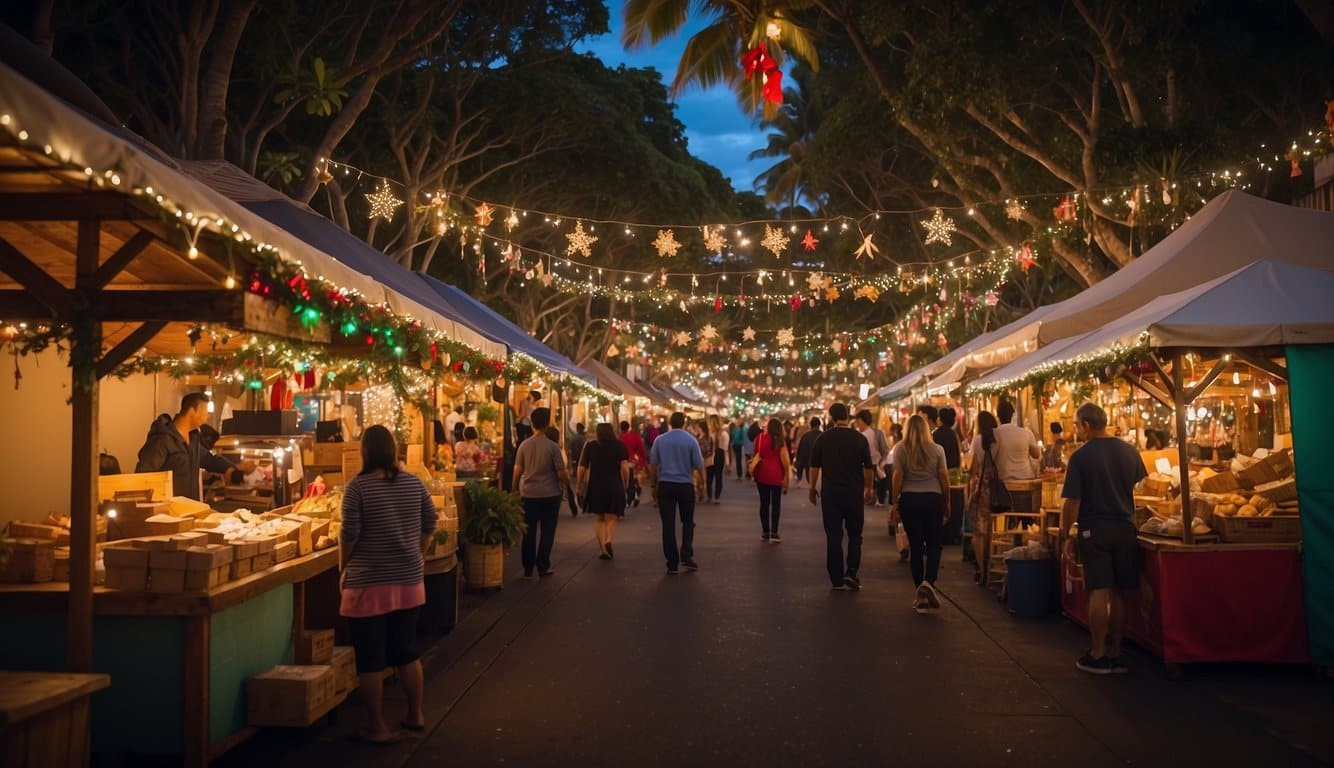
(604,474)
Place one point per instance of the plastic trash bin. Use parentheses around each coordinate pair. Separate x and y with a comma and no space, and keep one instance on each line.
(1028,587)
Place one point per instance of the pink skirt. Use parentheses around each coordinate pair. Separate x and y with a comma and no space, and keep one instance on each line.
(360,602)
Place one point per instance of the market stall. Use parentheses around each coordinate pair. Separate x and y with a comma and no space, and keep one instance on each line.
(1217,530)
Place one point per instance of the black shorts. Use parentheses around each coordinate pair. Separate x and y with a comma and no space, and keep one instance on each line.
(387,640)
(1110,556)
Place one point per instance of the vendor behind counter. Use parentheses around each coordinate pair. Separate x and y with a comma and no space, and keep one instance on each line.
(175,444)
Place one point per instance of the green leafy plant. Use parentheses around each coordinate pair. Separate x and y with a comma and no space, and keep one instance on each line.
(487,412)
(494,516)
(282,166)
(441,537)
(317,87)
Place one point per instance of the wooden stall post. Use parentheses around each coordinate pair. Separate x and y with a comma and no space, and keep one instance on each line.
(1179,404)
(85,347)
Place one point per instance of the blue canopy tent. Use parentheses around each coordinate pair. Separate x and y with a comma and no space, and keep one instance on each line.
(463,308)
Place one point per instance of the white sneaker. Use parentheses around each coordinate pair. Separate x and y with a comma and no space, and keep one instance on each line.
(922,603)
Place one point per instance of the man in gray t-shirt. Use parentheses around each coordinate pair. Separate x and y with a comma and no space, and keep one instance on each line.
(539,474)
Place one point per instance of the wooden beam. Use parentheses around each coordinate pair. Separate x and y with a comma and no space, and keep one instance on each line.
(1162,373)
(128,346)
(265,316)
(71,206)
(1268,366)
(121,259)
(1153,391)
(193,306)
(44,291)
(1208,379)
(85,345)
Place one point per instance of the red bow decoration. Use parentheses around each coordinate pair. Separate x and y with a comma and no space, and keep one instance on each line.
(757,59)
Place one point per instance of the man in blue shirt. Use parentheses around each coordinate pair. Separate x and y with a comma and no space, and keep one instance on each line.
(678,467)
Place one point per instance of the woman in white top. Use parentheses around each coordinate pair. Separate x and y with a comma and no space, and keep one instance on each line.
(920,496)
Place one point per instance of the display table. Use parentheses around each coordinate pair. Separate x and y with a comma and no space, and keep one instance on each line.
(44,717)
(1209,602)
(180,661)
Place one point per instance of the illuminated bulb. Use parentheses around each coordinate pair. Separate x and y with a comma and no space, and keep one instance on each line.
(193,252)
(1236,377)
(111,512)
(1255,393)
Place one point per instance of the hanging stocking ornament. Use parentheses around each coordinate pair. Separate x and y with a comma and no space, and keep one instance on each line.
(718,303)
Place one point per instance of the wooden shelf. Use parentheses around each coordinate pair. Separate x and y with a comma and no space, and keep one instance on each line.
(53,597)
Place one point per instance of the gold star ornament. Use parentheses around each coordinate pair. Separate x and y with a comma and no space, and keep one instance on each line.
(580,241)
(666,243)
(938,229)
(774,240)
(383,203)
(484,214)
(714,239)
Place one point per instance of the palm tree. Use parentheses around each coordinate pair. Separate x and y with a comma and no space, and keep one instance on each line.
(787,181)
(712,55)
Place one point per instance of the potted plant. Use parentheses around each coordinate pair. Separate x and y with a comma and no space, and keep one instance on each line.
(493,522)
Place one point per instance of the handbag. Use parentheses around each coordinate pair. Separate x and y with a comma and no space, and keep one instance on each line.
(754,461)
(998,495)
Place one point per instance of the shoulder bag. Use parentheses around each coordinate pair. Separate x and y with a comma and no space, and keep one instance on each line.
(998,494)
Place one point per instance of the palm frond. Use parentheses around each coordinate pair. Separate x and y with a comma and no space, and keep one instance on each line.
(796,40)
(709,59)
(649,21)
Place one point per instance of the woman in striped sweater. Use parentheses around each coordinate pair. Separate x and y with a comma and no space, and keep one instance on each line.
(388,519)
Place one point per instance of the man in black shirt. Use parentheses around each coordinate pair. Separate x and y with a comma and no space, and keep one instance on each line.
(1099,493)
(842,457)
(947,438)
(804,448)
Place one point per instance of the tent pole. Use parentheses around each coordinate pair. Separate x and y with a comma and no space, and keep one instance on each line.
(1183,456)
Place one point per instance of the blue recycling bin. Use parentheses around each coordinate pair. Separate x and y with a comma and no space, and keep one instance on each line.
(1028,587)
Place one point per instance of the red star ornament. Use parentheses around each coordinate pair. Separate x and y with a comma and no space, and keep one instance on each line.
(1025,258)
(809,242)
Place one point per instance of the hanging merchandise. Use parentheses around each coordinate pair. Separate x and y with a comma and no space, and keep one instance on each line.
(1066,211)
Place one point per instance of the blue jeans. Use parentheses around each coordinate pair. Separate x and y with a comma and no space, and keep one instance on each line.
(536,548)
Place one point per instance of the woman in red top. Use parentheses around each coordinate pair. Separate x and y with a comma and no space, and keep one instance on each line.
(771,475)
(634,447)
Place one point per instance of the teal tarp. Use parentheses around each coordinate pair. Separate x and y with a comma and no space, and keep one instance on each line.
(1310,371)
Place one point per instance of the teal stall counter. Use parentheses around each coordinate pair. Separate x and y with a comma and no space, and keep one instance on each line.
(178,662)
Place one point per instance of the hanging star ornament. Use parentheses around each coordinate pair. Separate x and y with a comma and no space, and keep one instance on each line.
(702,346)
(774,240)
(512,220)
(1014,210)
(484,214)
(868,248)
(714,239)
(708,332)
(748,334)
(580,241)
(938,229)
(613,351)
(1025,258)
(809,241)
(666,243)
(786,337)
(681,339)
(868,292)
(383,203)
(832,293)
(815,281)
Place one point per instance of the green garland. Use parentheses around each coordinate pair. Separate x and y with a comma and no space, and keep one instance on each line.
(1100,363)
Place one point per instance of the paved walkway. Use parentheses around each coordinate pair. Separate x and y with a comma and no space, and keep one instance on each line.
(754,661)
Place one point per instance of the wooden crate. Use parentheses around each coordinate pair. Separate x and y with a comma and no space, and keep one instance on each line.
(158,482)
(31,561)
(345,668)
(46,717)
(314,647)
(1254,529)
(1026,495)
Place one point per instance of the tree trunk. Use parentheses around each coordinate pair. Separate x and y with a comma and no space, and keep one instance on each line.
(211,139)
(42,35)
(190,42)
(337,130)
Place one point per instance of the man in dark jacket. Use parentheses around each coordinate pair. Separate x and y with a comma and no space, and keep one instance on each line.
(173,445)
(804,447)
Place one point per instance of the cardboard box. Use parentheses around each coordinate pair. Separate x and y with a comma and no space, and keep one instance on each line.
(167,560)
(244,549)
(314,647)
(344,662)
(214,537)
(60,565)
(196,581)
(302,534)
(31,561)
(186,540)
(166,579)
(1280,490)
(331,454)
(241,567)
(284,552)
(128,578)
(124,555)
(208,557)
(159,525)
(263,561)
(21,530)
(290,695)
(1281,463)
(266,543)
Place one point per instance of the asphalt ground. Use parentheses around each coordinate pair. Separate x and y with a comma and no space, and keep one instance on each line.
(753,660)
